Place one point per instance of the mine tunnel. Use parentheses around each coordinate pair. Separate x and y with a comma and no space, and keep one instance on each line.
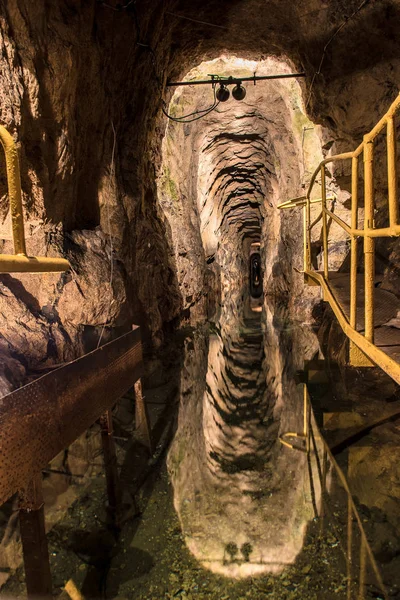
(199,299)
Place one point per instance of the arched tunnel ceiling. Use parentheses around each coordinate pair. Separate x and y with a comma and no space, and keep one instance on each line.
(234,165)
(299,30)
(244,151)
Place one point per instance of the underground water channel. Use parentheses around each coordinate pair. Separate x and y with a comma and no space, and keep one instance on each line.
(224,510)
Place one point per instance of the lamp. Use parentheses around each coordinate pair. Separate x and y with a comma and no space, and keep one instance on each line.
(222,93)
(239,92)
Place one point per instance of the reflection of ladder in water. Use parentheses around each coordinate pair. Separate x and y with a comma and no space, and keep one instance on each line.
(362,309)
(361,567)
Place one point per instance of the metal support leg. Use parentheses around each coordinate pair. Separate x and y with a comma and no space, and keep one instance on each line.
(323,492)
(369,242)
(363,561)
(142,417)
(349,553)
(34,541)
(111,467)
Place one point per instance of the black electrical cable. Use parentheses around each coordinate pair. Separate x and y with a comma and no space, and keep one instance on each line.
(200,113)
(337,30)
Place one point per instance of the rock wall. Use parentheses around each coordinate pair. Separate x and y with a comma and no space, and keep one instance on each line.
(81,93)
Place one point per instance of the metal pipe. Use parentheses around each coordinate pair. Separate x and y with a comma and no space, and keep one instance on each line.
(14,190)
(324,223)
(392,172)
(323,491)
(349,553)
(369,243)
(363,560)
(353,250)
(19,263)
(233,80)
(305,408)
(308,218)
(304,236)
(296,202)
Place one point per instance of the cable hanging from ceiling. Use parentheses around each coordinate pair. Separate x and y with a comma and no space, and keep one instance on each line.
(335,33)
(130,7)
(195,115)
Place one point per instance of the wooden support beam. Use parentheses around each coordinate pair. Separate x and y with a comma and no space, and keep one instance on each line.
(142,417)
(111,467)
(34,541)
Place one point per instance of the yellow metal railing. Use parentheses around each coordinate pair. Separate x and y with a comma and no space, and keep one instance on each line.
(368,233)
(353,542)
(20,261)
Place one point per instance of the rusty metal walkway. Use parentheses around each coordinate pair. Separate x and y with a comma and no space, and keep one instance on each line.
(44,417)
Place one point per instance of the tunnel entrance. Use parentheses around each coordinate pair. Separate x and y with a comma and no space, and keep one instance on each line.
(223,175)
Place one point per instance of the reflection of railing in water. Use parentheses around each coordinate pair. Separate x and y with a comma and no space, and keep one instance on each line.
(365,343)
(310,435)
(44,417)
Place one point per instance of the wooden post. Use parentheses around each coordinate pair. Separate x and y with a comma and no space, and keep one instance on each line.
(111,467)
(142,417)
(34,541)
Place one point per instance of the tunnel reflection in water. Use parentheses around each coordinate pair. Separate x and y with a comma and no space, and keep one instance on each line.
(243,499)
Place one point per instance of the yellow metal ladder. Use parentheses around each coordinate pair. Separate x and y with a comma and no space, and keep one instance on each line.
(366,348)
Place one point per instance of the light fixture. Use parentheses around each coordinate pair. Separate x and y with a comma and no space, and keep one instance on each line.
(239,92)
(222,93)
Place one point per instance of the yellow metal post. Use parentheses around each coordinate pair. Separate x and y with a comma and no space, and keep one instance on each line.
(349,553)
(392,173)
(369,242)
(363,560)
(308,221)
(14,190)
(305,238)
(324,222)
(20,262)
(353,250)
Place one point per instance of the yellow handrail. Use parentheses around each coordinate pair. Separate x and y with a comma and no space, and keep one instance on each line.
(20,262)
(368,233)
